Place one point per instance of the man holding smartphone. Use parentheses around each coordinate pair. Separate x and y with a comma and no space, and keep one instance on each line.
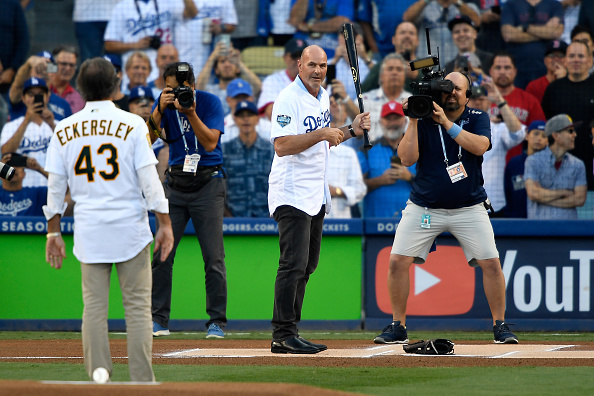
(30,134)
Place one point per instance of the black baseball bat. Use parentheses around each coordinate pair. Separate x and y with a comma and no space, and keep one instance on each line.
(349,40)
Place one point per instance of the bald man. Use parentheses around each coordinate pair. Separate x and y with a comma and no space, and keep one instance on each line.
(298,194)
(447,195)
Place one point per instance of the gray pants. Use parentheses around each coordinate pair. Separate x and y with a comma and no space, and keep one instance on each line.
(205,208)
(135,284)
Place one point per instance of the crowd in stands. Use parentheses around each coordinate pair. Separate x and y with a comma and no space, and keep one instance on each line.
(530,64)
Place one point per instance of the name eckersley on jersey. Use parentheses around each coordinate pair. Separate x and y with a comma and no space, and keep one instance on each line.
(93,128)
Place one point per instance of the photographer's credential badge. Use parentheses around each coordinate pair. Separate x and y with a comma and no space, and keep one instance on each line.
(191,163)
(457,172)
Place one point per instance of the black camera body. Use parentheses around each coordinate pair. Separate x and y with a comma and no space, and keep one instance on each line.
(431,87)
(183,93)
(155,42)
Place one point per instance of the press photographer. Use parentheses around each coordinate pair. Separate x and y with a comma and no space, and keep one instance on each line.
(191,121)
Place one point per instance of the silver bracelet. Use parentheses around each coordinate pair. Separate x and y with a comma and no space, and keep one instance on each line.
(53,234)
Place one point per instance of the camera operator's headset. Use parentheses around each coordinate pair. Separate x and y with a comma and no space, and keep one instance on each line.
(469,90)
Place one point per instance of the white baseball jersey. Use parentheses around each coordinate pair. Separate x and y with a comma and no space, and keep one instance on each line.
(188,34)
(93,10)
(344,171)
(128,24)
(100,149)
(299,180)
(232,130)
(272,86)
(34,144)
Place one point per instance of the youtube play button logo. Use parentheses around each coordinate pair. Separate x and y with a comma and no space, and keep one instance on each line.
(444,285)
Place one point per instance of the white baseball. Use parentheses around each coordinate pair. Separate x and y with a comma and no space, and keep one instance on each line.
(100,375)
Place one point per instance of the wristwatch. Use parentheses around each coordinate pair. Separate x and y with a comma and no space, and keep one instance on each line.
(459,3)
(338,191)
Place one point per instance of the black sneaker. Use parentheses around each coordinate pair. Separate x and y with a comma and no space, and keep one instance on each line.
(393,333)
(502,333)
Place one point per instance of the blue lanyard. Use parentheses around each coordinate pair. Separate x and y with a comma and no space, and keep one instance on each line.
(181,128)
(445,156)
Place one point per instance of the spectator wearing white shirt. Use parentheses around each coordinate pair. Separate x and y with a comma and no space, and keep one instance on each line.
(345,179)
(506,132)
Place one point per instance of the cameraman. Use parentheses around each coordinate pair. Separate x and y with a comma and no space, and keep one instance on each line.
(195,188)
(446,197)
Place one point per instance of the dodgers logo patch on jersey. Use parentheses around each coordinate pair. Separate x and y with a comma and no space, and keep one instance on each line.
(283,120)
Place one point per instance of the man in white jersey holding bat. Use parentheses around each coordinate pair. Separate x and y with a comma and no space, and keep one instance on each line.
(298,194)
(104,156)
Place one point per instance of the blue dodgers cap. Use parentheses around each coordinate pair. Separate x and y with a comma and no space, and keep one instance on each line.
(115,60)
(35,82)
(246,105)
(141,93)
(46,55)
(238,87)
(538,124)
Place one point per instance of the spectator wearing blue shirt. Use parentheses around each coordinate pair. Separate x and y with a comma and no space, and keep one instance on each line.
(247,161)
(513,178)
(379,19)
(556,180)
(318,21)
(388,181)
(16,200)
(527,29)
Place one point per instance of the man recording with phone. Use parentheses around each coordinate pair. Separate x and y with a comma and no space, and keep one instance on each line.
(30,134)
(191,122)
(447,195)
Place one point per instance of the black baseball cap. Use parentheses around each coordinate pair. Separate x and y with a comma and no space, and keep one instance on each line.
(461,19)
(556,46)
(295,46)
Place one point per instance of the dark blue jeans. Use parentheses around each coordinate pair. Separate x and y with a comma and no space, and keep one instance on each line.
(205,208)
(300,237)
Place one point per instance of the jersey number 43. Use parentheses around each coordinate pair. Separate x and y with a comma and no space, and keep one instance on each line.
(84,163)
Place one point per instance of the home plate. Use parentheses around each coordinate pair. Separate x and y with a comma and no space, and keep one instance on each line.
(494,351)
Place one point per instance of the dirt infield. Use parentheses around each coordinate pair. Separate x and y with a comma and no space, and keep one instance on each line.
(340,353)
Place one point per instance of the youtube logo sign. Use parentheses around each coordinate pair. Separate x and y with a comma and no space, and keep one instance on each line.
(444,285)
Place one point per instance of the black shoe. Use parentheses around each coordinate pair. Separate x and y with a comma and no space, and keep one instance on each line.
(321,347)
(394,333)
(292,345)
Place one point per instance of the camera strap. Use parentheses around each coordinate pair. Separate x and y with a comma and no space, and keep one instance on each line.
(140,14)
(181,129)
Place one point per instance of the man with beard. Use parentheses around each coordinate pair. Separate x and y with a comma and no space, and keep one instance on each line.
(525,106)
(388,181)
(447,196)
(556,180)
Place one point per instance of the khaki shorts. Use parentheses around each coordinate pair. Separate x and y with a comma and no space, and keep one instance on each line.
(470,226)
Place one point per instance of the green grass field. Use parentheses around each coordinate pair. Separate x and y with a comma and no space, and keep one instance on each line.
(525,380)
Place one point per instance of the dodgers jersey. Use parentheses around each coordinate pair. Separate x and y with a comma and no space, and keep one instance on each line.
(99,149)
(34,144)
(299,180)
(132,20)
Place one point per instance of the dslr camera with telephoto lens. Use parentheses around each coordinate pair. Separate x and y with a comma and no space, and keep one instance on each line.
(430,88)
(183,93)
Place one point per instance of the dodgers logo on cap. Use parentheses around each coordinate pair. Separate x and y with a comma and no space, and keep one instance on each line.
(283,120)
